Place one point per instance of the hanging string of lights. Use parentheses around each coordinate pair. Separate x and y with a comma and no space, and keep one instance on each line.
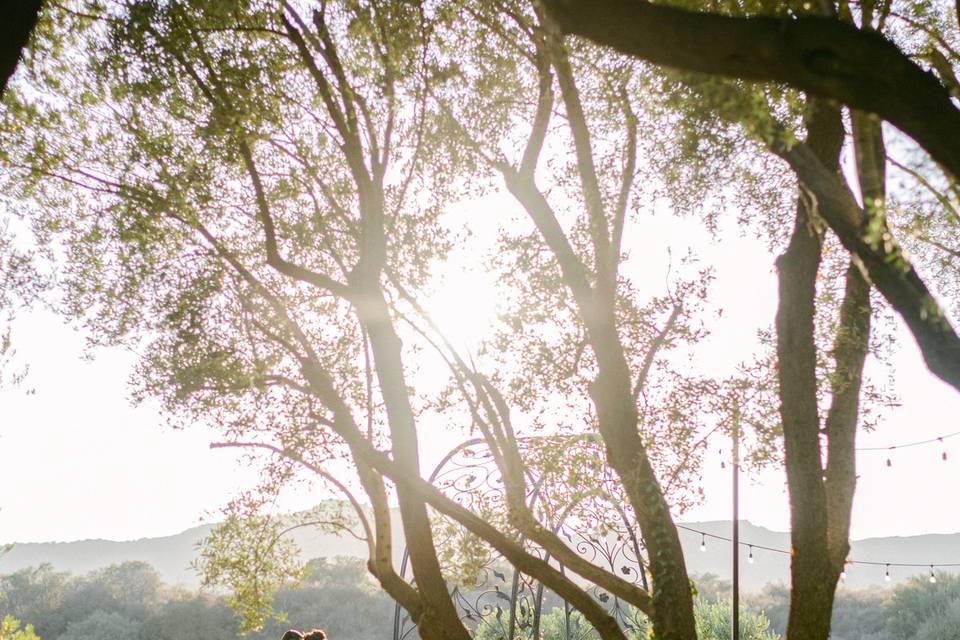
(907,445)
(889,449)
(850,562)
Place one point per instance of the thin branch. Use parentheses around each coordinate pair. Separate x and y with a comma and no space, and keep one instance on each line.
(541,118)
(658,342)
(626,178)
(274,259)
(916,175)
(284,453)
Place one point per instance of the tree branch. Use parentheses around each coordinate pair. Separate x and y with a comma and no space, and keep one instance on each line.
(274,259)
(655,346)
(626,178)
(851,345)
(886,266)
(820,55)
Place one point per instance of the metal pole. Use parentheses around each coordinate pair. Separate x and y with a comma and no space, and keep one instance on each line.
(736,520)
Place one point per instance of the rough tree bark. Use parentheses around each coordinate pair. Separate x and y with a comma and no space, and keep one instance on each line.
(820,494)
(17,20)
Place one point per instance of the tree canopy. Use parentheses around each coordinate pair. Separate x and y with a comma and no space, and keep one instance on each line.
(257,196)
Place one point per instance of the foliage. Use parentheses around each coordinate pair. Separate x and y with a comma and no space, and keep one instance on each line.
(714,622)
(101,625)
(918,604)
(339,599)
(945,626)
(10,630)
(220,113)
(861,614)
(339,596)
(195,618)
(248,555)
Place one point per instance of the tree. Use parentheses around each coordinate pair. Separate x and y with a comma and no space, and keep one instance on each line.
(10,630)
(37,595)
(860,614)
(920,609)
(184,259)
(343,607)
(335,213)
(197,618)
(256,194)
(101,625)
(840,47)
(714,622)
(825,56)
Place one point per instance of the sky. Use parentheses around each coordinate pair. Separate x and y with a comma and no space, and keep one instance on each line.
(78,461)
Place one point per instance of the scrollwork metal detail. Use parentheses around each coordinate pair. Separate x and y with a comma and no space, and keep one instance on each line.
(505,604)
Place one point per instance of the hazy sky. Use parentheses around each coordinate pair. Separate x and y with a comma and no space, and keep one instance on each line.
(79,462)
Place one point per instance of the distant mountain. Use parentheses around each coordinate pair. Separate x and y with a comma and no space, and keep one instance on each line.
(172,555)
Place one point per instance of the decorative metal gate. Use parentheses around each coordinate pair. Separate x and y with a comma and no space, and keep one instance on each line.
(505,604)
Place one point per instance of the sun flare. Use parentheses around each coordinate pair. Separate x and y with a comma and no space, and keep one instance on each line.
(463,306)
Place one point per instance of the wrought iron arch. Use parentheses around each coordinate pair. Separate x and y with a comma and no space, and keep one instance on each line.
(621,550)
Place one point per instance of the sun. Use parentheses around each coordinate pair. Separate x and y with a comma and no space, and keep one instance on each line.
(463,306)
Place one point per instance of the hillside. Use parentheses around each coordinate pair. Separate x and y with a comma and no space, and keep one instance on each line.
(172,555)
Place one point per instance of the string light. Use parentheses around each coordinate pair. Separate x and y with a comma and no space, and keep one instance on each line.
(843,574)
(888,461)
(916,443)
(891,448)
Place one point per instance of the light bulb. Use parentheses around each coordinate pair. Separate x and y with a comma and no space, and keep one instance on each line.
(886,574)
(703,542)
(933,577)
(750,557)
(843,576)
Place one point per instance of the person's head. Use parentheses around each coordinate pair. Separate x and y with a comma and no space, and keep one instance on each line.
(315,634)
(293,634)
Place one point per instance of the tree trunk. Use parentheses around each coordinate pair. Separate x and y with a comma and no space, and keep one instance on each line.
(813,570)
(439,618)
(618,424)
(17,21)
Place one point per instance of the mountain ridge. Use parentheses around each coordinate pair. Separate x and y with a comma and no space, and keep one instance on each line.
(172,554)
